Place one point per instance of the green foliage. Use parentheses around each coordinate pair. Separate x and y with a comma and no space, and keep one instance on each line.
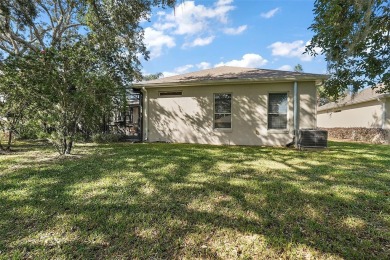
(355,37)
(152,76)
(66,89)
(322,96)
(31,25)
(298,68)
(16,101)
(30,129)
(69,62)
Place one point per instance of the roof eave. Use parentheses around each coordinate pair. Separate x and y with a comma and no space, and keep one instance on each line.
(229,82)
(350,103)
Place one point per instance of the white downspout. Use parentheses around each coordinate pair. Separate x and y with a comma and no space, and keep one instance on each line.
(146,113)
(296,116)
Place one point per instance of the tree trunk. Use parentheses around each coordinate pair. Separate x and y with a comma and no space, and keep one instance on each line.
(64,145)
(8,147)
(104,124)
(69,147)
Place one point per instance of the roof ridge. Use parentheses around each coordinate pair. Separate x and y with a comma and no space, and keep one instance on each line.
(237,67)
(233,72)
(192,72)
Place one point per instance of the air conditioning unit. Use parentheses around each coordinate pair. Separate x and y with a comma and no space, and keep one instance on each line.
(312,138)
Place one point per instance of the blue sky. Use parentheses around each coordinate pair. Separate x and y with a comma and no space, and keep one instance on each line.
(202,34)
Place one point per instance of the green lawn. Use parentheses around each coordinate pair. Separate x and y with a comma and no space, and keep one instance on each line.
(165,201)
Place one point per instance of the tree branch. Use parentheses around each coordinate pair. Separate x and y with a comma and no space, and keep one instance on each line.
(2,47)
(16,38)
(48,13)
(38,36)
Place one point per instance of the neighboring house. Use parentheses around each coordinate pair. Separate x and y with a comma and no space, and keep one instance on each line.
(366,109)
(229,105)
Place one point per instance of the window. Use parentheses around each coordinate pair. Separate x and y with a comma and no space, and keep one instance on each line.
(222,110)
(170,93)
(277,111)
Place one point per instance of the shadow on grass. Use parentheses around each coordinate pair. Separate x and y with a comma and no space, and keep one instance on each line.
(175,201)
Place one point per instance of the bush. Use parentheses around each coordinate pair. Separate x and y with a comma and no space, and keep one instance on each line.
(30,129)
(108,138)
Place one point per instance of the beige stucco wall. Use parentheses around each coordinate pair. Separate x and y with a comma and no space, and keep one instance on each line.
(307,105)
(387,114)
(189,118)
(367,114)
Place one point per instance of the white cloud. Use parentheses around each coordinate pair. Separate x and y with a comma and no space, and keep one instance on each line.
(249,60)
(285,67)
(270,13)
(235,31)
(169,74)
(203,65)
(178,70)
(199,42)
(156,40)
(186,68)
(197,23)
(164,26)
(183,69)
(190,19)
(290,49)
(224,2)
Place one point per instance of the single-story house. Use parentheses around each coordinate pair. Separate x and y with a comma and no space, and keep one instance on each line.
(228,105)
(367,109)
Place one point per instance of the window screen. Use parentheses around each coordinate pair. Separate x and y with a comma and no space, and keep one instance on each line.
(222,110)
(277,111)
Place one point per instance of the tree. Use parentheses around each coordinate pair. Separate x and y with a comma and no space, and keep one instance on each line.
(354,35)
(72,55)
(12,112)
(298,68)
(32,26)
(152,76)
(15,102)
(82,90)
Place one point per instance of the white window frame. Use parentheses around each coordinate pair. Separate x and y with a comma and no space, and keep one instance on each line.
(287,112)
(231,114)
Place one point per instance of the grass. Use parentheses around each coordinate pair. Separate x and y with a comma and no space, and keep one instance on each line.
(166,201)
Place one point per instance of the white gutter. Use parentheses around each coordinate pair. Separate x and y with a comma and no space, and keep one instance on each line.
(146,114)
(296,119)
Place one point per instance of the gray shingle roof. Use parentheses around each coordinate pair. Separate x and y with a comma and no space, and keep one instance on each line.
(360,97)
(233,73)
